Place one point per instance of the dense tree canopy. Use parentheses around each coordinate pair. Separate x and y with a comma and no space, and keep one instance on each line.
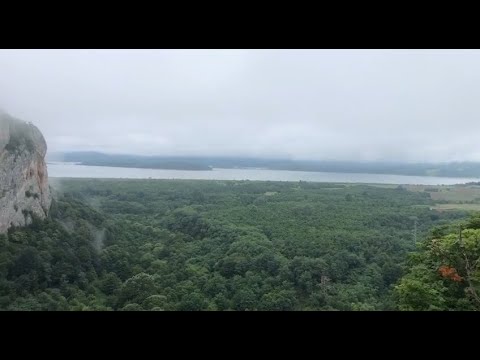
(445,273)
(234,245)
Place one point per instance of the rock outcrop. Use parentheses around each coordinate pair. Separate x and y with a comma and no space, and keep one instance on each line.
(24,190)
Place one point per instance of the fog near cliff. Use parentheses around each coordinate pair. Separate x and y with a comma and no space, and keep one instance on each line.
(413,105)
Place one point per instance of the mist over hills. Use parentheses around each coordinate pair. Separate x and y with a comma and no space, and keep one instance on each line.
(90,158)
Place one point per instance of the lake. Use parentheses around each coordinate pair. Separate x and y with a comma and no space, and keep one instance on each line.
(73,170)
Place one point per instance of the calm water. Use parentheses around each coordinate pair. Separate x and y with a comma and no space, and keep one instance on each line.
(72,170)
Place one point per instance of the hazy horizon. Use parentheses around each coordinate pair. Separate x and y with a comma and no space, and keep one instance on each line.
(342,105)
(51,155)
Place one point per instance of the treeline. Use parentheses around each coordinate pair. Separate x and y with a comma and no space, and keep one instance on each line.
(453,169)
(130,161)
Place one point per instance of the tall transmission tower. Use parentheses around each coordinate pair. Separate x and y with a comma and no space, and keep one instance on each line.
(460,236)
(415,220)
(415,231)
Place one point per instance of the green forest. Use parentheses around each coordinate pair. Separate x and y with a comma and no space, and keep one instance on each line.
(171,245)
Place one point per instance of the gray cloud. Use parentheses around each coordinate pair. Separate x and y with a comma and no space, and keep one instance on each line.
(414,105)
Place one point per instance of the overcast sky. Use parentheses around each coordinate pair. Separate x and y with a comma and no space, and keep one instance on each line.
(410,105)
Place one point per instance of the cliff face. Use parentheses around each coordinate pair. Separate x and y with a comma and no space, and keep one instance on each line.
(24,189)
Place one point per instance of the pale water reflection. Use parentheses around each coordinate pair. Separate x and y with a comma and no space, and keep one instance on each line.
(72,170)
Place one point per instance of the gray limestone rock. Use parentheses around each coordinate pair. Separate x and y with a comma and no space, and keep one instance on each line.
(24,190)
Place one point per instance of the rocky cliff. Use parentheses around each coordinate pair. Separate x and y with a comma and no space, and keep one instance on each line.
(24,190)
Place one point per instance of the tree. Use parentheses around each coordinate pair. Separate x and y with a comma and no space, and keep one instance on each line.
(278,300)
(110,283)
(444,275)
(132,307)
(137,289)
(193,302)
(158,302)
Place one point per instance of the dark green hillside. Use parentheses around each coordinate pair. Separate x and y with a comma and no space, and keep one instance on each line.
(215,245)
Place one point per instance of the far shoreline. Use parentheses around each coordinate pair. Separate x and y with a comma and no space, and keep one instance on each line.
(210,168)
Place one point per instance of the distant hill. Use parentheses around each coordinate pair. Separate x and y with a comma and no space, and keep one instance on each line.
(129,161)
(453,169)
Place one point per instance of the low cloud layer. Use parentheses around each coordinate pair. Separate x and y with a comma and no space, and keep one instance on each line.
(408,105)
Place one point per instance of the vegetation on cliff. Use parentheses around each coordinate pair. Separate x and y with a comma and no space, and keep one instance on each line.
(21,136)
